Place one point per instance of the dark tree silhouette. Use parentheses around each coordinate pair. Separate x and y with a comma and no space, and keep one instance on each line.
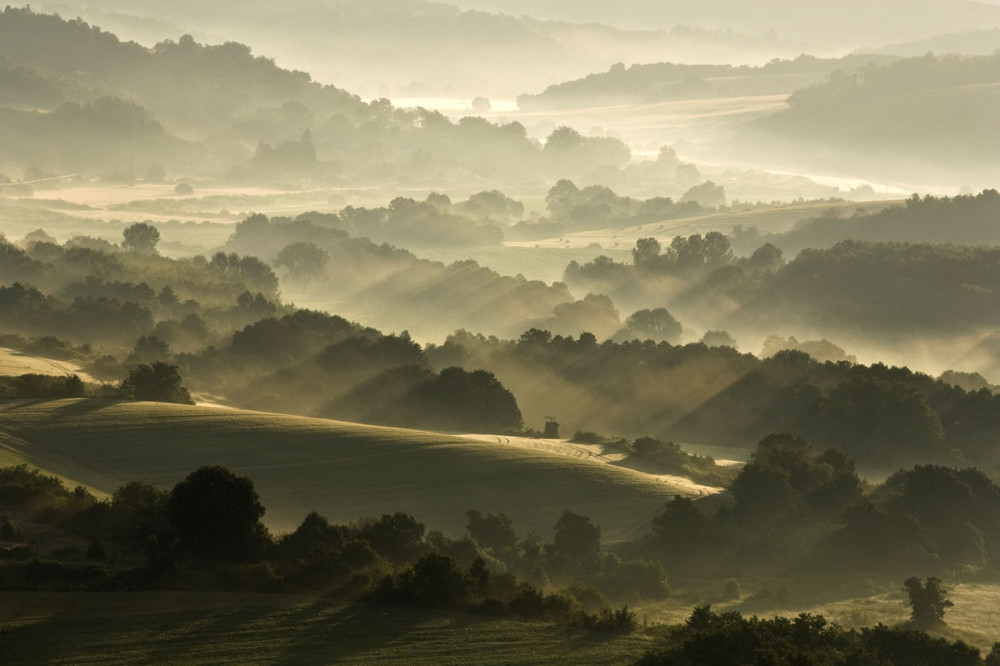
(217,515)
(159,382)
(656,324)
(577,544)
(493,531)
(927,601)
(303,261)
(141,237)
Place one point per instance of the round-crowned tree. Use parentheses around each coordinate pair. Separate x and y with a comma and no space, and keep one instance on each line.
(216,515)
(157,382)
(140,237)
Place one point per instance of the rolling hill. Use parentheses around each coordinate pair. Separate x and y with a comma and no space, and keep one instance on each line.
(344,471)
(930,119)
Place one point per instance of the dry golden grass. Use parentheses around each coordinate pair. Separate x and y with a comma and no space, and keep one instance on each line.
(342,470)
(13,362)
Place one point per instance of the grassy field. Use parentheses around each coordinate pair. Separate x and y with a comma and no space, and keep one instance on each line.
(344,471)
(207,628)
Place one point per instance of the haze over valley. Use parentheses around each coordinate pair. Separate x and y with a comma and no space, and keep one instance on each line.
(537,333)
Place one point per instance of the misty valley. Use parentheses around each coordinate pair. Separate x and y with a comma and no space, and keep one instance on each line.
(405,332)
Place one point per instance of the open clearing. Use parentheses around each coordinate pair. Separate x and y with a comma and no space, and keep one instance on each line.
(234,628)
(342,470)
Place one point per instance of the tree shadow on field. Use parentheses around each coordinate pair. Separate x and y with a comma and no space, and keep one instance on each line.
(82,407)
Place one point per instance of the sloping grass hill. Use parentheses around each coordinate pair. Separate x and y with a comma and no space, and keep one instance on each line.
(342,470)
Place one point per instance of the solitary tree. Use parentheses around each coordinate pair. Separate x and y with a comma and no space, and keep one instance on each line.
(481,105)
(141,237)
(656,324)
(159,382)
(303,261)
(928,601)
(148,349)
(577,544)
(216,515)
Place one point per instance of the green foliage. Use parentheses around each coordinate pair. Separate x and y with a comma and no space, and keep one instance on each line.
(411,396)
(397,537)
(674,460)
(159,382)
(599,207)
(964,219)
(681,533)
(217,516)
(44,387)
(139,511)
(730,639)
(492,531)
(302,260)
(656,324)
(21,486)
(785,480)
(252,271)
(577,545)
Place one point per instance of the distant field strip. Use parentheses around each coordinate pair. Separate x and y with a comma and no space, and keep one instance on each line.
(342,470)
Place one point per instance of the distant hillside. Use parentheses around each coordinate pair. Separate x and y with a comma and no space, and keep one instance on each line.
(344,471)
(660,82)
(930,117)
(830,23)
(227,79)
(976,42)
(78,98)
(81,100)
(413,48)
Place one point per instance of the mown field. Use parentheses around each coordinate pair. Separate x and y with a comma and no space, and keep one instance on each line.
(342,470)
(243,628)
